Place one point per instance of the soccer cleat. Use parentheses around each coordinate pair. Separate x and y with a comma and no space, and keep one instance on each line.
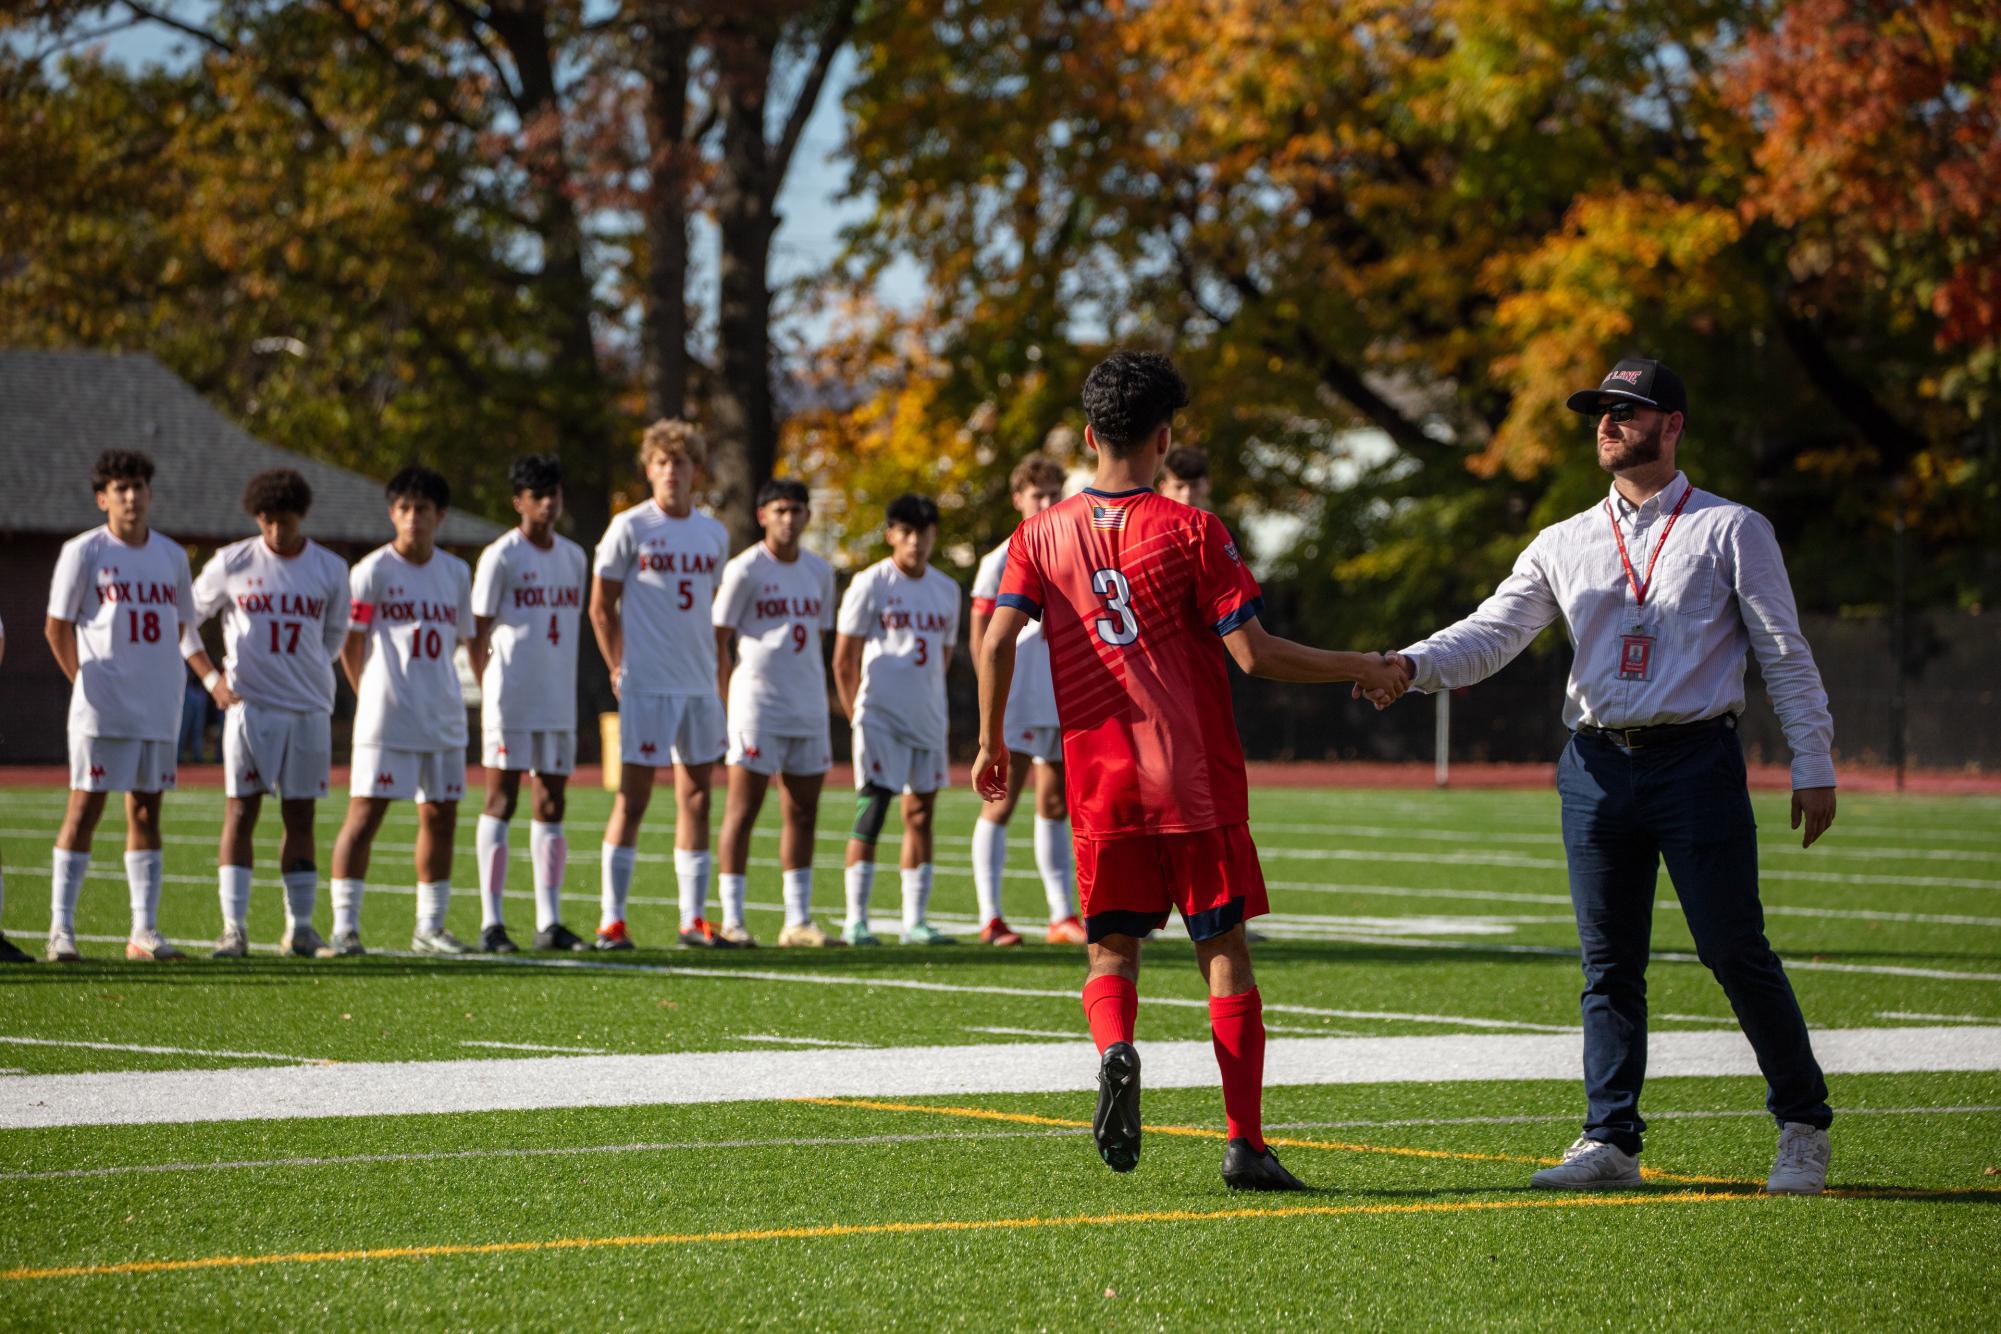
(151,947)
(1069,931)
(494,940)
(303,942)
(12,953)
(1590,1164)
(997,934)
(613,937)
(343,943)
(808,934)
(234,944)
(1115,1125)
(1244,1168)
(439,941)
(62,946)
(702,935)
(1801,1167)
(739,937)
(926,934)
(560,937)
(857,933)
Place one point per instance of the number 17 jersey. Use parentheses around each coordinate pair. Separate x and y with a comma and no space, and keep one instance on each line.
(1135,592)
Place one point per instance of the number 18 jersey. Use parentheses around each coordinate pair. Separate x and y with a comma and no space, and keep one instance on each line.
(414,616)
(1135,592)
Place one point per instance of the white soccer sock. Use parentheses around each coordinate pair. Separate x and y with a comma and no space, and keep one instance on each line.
(860,879)
(548,850)
(433,897)
(142,879)
(490,844)
(731,890)
(799,897)
(615,883)
(989,864)
(916,894)
(691,871)
(302,892)
(65,883)
(233,888)
(347,905)
(1053,859)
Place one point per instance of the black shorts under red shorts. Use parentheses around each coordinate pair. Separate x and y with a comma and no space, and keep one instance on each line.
(1127,885)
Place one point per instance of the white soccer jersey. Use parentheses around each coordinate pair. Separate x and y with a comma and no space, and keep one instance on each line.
(130,605)
(1031,697)
(669,568)
(779,610)
(535,596)
(414,616)
(908,623)
(283,620)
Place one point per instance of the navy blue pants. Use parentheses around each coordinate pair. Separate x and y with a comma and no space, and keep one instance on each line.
(1685,802)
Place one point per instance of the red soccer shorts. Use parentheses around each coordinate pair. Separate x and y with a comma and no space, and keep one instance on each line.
(1212,876)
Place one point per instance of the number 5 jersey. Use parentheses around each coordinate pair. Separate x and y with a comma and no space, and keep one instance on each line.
(414,615)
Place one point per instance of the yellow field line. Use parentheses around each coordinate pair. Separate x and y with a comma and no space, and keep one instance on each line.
(852,1230)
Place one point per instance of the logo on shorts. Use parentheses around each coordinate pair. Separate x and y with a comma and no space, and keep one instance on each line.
(647,748)
(500,749)
(96,772)
(253,777)
(875,766)
(751,752)
(385,780)
(454,790)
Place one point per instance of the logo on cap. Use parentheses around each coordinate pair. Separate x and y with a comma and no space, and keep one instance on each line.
(1630,377)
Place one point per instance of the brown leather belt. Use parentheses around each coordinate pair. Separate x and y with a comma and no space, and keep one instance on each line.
(1638,738)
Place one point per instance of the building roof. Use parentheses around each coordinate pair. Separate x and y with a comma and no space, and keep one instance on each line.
(59,410)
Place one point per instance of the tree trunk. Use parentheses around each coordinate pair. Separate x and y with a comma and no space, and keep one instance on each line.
(669,44)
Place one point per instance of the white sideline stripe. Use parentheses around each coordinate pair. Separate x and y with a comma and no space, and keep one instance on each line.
(449,1155)
(1760,1112)
(1678,956)
(531,1083)
(1070,1035)
(1724,1018)
(1940,1018)
(158,1051)
(801,1042)
(536,1046)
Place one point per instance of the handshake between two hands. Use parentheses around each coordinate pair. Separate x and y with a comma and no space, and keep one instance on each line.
(1384,680)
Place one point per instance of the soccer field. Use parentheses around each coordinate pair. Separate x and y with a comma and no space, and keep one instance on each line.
(896,1138)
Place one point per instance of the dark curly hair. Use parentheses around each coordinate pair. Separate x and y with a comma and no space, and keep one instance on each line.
(277,491)
(912,511)
(1130,395)
(537,474)
(120,465)
(783,488)
(419,483)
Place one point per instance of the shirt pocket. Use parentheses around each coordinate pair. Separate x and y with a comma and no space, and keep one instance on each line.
(1684,584)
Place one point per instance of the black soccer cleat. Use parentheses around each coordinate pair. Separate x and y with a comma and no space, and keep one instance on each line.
(1244,1168)
(1116,1124)
(560,937)
(12,953)
(495,940)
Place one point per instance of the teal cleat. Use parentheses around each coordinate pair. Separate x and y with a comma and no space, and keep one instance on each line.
(857,933)
(926,934)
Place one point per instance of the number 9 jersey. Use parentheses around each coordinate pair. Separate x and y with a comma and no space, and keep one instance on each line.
(414,616)
(1135,593)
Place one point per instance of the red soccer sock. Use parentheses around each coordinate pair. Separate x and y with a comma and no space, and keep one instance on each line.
(1111,1007)
(1237,1027)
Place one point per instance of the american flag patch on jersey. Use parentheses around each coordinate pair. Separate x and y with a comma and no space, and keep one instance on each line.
(1108,518)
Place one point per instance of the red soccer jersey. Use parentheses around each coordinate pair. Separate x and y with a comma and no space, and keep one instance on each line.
(1135,592)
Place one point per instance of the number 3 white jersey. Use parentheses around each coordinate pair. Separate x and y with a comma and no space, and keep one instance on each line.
(535,596)
(1031,696)
(414,616)
(669,567)
(909,624)
(283,620)
(779,610)
(129,605)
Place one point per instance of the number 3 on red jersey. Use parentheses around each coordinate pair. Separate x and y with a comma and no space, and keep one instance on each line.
(1111,585)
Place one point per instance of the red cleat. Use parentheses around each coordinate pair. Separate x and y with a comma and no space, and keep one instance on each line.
(1069,931)
(613,937)
(998,933)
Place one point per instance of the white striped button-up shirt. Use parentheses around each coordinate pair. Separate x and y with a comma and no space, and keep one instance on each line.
(1719,587)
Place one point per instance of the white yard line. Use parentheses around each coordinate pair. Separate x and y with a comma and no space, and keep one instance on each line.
(530,1083)
(536,1046)
(1416,1122)
(159,1051)
(1067,1035)
(780,1038)
(1679,956)
(1939,1018)
(1698,1019)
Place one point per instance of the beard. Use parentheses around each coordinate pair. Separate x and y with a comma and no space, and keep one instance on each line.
(1630,453)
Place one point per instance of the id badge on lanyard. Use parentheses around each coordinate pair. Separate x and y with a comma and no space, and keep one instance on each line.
(1636,650)
(1636,635)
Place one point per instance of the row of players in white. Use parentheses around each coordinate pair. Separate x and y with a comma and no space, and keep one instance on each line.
(286,618)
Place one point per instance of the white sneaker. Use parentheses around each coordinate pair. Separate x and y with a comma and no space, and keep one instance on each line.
(62,946)
(440,941)
(1591,1164)
(234,944)
(1801,1168)
(149,946)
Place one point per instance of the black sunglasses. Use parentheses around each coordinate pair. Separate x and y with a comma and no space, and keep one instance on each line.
(1622,412)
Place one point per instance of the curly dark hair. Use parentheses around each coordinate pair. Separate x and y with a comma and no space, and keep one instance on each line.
(912,511)
(537,474)
(1188,463)
(783,488)
(419,483)
(277,491)
(1130,395)
(120,465)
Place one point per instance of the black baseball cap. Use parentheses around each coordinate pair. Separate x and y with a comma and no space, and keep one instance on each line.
(1634,380)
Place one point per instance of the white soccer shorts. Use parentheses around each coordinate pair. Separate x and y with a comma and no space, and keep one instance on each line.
(671,729)
(884,759)
(426,775)
(120,764)
(553,754)
(767,753)
(276,750)
(1043,744)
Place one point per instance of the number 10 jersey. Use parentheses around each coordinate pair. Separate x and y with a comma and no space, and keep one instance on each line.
(414,616)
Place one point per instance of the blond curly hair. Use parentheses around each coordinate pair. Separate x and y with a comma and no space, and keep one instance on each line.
(671,436)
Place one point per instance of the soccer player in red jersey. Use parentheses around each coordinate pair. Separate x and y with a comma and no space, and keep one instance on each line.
(1140,597)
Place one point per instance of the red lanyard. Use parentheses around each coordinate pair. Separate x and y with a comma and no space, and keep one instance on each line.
(1639,588)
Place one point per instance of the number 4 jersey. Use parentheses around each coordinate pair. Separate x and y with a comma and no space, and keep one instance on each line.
(535,596)
(1135,593)
(283,620)
(128,605)
(414,615)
